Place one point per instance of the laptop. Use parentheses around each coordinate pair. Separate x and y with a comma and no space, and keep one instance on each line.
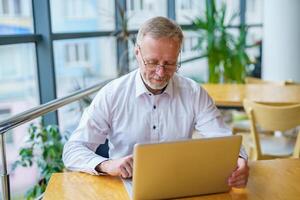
(183,168)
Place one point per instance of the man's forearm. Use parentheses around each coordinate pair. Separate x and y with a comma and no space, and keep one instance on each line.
(80,157)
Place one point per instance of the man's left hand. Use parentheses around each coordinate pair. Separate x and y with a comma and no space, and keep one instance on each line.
(240,175)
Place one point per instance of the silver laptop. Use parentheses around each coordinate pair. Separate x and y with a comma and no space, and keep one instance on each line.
(183,168)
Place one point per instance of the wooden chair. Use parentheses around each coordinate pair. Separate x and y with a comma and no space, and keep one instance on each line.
(240,121)
(273,118)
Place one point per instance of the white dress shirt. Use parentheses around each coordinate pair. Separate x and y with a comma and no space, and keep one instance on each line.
(126,113)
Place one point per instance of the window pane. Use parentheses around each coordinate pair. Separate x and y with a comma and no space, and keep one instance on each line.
(82,15)
(141,10)
(188,10)
(80,63)
(232,9)
(18,92)
(16,17)
(197,69)
(254,12)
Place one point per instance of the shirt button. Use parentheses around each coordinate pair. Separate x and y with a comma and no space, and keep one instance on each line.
(154,107)
(154,127)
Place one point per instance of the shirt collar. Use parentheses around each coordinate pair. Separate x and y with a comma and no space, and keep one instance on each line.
(141,88)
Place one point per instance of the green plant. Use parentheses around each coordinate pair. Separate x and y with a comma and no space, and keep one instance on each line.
(226,53)
(44,146)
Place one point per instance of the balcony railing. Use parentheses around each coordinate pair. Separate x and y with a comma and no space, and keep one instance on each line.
(31,114)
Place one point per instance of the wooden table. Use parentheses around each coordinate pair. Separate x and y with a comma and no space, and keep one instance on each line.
(272,179)
(232,95)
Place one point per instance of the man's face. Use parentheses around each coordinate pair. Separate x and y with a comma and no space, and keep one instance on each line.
(157,60)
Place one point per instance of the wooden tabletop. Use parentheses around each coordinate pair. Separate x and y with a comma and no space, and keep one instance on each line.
(273,179)
(232,95)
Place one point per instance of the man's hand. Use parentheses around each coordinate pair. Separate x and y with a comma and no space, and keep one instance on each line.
(118,167)
(240,175)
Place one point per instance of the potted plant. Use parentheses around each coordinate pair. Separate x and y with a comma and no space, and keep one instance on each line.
(226,53)
(44,146)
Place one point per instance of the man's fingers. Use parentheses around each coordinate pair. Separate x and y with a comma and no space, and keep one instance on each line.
(237,178)
(129,161)
(124,173)
(128,169)
(239,173)
(238,183)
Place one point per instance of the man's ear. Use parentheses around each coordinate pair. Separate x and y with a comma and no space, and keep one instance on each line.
(136,51)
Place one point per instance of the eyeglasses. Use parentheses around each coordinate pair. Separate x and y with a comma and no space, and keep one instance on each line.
(153,65)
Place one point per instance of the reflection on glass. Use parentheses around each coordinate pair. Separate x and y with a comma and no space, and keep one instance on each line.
(139,11)
(80,63)
(18,92)
(82,15)
(15,17)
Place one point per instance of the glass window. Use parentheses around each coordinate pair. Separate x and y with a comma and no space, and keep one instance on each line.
(82,15)
(80,63)
(18,92)
(196,69)
(138,11)
(131,55)
(254,12)
(16,17)
(232,8)
(188,10)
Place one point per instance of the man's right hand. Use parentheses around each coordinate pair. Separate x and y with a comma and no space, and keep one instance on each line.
(117,167)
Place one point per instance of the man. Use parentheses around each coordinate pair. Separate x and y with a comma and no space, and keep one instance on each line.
(150,104)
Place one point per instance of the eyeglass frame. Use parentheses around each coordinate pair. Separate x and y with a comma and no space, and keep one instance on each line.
(164,66)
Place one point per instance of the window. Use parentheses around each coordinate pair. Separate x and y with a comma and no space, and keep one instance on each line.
(4,7)
(82,15)
(101,66)
(254,13)
(196,69)
(139,5)
(15,17)
(18,93)
(141,10)
(77,54)
(11,8)
(186,11)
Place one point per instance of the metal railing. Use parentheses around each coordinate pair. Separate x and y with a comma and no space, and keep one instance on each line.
(31,114)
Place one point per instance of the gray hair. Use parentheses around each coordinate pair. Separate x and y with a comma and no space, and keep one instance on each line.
(159,27)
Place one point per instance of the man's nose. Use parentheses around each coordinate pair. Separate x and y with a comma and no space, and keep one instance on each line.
(160,70)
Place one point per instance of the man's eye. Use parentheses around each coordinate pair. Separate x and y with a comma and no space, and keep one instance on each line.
(152,62)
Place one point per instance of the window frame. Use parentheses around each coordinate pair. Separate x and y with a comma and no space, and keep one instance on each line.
(43,37)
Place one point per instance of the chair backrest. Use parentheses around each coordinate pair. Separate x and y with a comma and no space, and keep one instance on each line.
(273,118)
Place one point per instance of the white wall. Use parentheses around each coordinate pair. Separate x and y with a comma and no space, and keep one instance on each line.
(281,40)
